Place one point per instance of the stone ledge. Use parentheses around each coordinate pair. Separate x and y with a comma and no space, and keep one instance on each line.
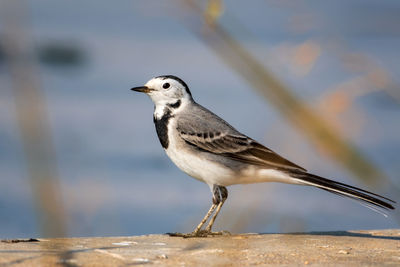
(355,248)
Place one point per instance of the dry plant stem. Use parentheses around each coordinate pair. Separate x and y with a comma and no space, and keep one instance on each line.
(322,134)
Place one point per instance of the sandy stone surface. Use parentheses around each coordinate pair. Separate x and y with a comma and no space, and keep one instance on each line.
(352,248)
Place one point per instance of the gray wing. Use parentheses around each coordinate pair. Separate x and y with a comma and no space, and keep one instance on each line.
(208,132)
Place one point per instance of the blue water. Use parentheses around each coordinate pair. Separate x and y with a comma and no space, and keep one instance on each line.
(115,178)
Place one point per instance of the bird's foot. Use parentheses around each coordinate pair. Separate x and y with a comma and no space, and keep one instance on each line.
(200,233)
(224,233)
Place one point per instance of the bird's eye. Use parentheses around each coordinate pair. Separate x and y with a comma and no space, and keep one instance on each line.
(165,85)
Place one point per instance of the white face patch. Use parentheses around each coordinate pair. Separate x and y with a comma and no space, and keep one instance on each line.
(167,91)
(167,94)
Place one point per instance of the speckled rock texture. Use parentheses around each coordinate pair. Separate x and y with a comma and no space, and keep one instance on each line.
(347,248)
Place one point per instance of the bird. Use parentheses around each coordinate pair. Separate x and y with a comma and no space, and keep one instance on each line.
(207,148)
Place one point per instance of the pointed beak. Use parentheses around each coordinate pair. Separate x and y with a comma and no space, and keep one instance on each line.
(142,89)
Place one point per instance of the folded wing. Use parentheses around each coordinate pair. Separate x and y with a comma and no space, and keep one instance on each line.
(218,137)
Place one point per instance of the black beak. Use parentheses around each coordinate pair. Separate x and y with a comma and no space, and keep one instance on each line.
(142,89)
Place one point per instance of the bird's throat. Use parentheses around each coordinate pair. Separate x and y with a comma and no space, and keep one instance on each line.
(162,127)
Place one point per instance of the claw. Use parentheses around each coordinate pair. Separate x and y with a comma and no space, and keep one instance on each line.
(201,233)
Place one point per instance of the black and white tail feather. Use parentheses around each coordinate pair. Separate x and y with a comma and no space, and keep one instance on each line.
(368,199)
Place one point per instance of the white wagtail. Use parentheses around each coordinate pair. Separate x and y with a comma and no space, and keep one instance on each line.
(209,149)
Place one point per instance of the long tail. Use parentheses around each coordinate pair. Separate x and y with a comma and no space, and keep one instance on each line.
(371,200)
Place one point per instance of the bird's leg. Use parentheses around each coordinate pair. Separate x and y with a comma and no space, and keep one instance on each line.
(210,211)
(198,232)
(220,195)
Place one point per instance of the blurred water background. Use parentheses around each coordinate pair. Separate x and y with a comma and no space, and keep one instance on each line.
(111,176)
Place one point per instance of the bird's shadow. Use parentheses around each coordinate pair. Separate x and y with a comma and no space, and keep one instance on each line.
(343,233)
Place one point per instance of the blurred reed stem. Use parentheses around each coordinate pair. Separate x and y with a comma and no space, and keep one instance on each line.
(32,118)
(321,134)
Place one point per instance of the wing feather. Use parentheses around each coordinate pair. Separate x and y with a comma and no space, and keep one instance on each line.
(227,141)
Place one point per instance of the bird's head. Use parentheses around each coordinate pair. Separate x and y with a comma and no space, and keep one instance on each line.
(166,89)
